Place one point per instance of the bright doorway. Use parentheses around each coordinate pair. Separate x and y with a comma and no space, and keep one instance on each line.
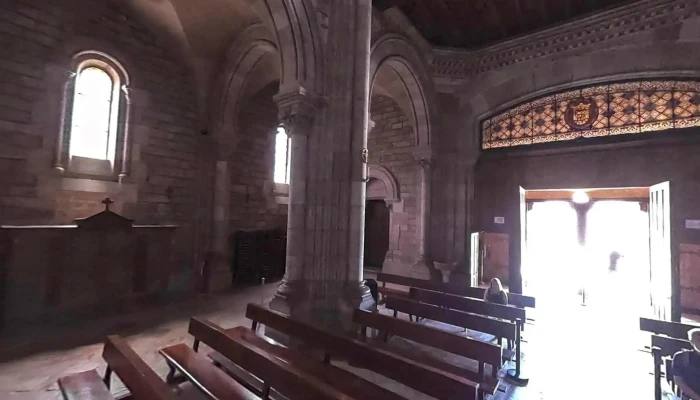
(586,246)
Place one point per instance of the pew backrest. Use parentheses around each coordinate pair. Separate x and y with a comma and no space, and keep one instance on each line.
(137,376)
(515,299)
(671,329)
(408,281)
(423,378)
(498,328)
(467,304)
(669,346)
(456,344)
(289,380)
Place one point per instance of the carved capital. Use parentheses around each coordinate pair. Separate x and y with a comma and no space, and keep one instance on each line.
(370,125)
(424,157)
(297,110)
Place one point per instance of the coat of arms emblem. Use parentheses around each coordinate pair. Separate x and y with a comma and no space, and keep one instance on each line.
(581,113)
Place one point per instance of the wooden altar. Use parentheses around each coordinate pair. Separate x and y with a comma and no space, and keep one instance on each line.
(102,263)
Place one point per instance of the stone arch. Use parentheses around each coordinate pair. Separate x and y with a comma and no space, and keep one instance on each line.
(391,186)
(394,52)
(244,55)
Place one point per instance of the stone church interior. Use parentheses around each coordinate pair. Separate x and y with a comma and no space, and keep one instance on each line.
(356,199)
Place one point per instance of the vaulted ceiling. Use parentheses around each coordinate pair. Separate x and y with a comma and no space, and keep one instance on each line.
(471,24)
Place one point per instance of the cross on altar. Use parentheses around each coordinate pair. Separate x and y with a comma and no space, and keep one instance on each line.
(107,202)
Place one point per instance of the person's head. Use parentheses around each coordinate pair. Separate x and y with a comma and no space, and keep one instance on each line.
(694,338)
(495,285)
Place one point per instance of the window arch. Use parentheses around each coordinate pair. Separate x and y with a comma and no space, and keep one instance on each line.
(95,117)
(283,150)
(617,108)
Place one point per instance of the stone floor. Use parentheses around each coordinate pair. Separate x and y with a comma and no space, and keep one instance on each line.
(571,352)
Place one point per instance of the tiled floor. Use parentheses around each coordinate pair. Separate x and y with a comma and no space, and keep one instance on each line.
(571,352)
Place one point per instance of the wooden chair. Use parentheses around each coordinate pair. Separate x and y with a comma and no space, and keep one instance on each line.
(137,376)
(423,378)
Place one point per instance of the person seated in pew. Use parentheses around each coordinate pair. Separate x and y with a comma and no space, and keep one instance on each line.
(495,293)
(686,368)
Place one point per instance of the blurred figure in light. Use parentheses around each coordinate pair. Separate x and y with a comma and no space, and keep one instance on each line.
(495,293)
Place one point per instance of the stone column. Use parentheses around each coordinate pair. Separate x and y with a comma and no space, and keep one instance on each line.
(297,111)
(325,231)
(421,268)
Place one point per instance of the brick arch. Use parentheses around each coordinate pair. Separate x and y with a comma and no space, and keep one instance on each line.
(394,52)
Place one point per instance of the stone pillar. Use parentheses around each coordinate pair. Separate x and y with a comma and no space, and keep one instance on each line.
(297,114)
(422,268)
(324,282)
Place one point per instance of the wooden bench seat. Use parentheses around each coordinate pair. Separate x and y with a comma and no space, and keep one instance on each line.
(87,385)
(289,380)
(482,353)
(141,381)
(345,381)
(210,380)
(423,378)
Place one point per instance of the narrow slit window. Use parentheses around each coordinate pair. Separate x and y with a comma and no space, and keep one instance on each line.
(282,153)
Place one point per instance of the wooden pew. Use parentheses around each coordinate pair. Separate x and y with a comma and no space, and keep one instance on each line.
(345,381)
(514,299)
(500,329)
(87,385)
(483,353)
(671,329)
(289,380)
(403,281)
(137,376)
(423,378)
(663,348)
(205,376)
(467,304)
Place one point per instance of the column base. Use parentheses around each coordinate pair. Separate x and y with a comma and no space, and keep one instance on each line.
(325,304)
(220,278)
(422,269)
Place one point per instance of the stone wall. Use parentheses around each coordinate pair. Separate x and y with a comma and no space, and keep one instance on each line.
(659,50)
(391,144)
(39,38)
(253,204)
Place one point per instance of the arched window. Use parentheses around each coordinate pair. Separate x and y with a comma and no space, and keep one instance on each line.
(95,118)
(282,152)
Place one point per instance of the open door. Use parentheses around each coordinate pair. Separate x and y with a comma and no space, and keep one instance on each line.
(660,250)
(523,240)
(476,260)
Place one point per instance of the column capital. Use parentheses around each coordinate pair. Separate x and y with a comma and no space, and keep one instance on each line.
(370,125)
(424,156)
(297,110)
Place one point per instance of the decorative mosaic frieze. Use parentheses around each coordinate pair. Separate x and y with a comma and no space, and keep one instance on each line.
(604,110)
